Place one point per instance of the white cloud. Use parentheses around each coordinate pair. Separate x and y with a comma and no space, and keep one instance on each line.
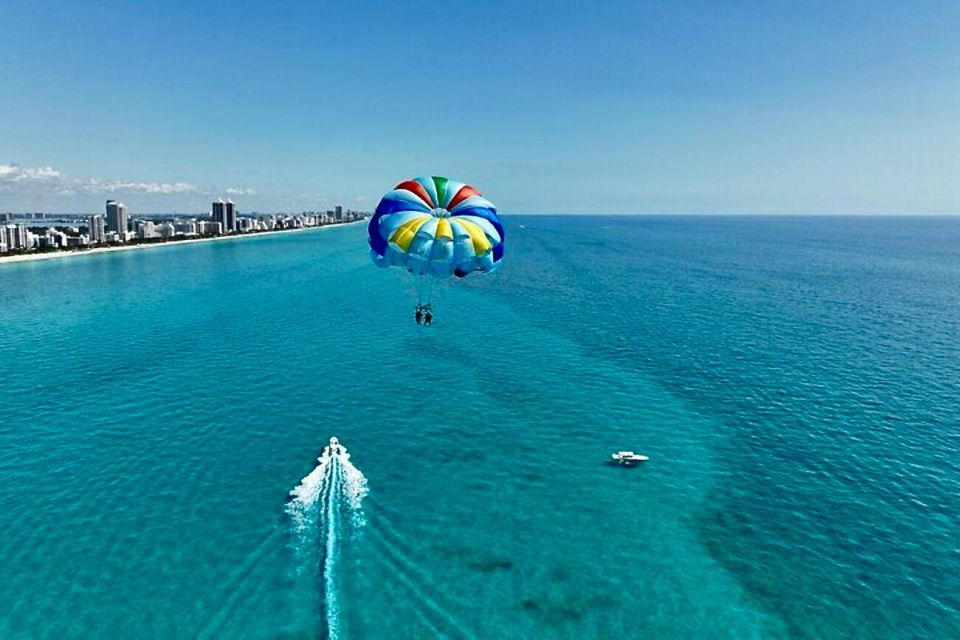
(99,185)
(10,173)
(38,181)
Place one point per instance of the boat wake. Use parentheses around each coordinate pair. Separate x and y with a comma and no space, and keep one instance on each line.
(239,583)
(428,601)
(326,506)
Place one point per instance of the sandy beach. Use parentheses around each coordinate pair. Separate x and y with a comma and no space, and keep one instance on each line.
(30,257)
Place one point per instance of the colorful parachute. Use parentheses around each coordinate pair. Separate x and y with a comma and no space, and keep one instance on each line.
(438,227)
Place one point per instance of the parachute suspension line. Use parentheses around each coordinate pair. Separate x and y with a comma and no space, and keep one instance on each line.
(424,289)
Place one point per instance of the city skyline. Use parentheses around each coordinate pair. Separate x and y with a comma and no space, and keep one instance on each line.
(21,237)
(208,211)
(546,108)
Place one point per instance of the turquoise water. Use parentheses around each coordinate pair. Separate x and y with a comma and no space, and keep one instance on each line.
(796,383)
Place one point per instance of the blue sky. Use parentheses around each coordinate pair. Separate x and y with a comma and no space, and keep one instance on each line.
(640,107)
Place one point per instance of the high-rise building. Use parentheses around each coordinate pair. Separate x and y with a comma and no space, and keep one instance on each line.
(226,214)
(146,229)
(166,230)
(96,229)
(218,212)
(186,227)
(117,217)
(16,236)
(209,227)
(230,217)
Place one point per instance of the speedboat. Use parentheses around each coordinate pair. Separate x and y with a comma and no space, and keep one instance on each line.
(628,457)
(334,448)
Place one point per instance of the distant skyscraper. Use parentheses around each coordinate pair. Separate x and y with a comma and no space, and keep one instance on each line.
(226,214)
(16,236)
(230,217)
(219,212)
(96,229)
(116,216)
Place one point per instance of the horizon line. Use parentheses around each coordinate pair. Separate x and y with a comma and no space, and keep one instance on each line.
(725,214)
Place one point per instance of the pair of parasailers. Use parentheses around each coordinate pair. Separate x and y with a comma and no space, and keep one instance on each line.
(423,314)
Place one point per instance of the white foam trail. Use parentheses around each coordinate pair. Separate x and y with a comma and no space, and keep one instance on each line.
(331,603)
(302,506)
(315,507)
(354,489)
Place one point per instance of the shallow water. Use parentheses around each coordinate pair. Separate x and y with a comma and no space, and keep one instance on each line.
(796,383)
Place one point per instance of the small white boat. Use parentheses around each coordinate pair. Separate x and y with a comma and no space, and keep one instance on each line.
(334,448)
(628,457)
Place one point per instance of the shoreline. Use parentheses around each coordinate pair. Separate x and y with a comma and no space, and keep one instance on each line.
(30,257)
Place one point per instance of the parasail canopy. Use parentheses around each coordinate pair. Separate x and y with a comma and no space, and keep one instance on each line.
(438,227)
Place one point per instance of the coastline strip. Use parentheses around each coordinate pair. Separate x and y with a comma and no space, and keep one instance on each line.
(30,257)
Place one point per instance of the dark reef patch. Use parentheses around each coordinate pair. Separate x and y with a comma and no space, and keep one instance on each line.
(490,565)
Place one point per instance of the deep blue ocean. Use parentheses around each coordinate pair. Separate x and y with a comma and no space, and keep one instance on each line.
(795,382)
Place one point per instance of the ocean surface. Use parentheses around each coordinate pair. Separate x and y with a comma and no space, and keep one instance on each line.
(795,382)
